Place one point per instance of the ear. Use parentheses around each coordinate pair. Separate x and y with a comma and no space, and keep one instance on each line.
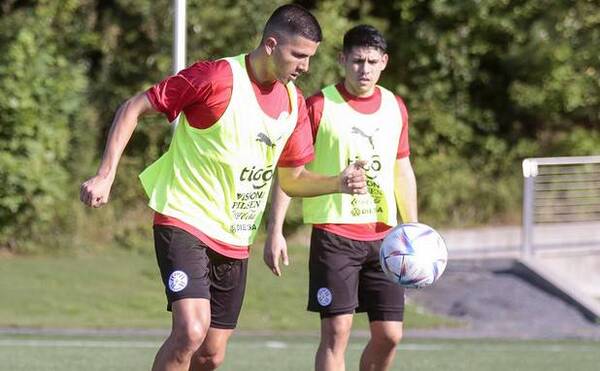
(384,60)
(342,58)
(270,44)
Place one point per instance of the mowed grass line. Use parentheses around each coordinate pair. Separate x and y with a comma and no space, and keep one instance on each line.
(20,353)
(116,289)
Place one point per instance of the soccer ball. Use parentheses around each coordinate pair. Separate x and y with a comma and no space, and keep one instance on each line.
(413,255)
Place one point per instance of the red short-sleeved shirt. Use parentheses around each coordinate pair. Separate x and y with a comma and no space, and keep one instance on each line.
(202,92)
(365,105)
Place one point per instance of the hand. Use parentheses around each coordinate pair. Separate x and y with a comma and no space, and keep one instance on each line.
(353,180)
(94,192)
(275,248)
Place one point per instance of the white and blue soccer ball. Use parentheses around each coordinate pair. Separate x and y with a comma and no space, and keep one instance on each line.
(413,255)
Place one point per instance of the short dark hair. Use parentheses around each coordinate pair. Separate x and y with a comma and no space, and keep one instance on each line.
(293,19)
(364,35)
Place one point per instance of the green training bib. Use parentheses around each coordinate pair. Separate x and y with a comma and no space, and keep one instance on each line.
(344,136)
(218,179)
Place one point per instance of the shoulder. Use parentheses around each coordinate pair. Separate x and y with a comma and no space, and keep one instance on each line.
(315,100)
(402,106)
(216,73)
(398,98)
(403,110)
(399,101)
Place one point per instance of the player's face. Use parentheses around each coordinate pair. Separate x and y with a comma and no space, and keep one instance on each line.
(363,66)
(291,57)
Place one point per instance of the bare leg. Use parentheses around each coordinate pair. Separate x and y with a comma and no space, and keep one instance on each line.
(212,351)
(335,332)
(191,318)
(381,348)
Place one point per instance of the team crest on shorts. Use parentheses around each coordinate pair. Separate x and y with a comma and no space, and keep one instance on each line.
(324,296)
(178,280)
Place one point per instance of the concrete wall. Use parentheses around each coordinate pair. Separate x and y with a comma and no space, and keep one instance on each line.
(581,267)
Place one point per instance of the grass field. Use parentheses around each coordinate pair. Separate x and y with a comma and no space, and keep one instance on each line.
(67,353)
(118,289)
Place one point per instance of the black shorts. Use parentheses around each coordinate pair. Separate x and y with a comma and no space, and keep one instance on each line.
(345,276)
(190,269)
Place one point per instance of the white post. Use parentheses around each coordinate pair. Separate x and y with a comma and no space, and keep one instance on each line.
(179,27)
(530,171)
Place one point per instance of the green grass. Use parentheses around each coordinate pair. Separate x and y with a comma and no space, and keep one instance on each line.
(48,353)
(116,289)
(107,290)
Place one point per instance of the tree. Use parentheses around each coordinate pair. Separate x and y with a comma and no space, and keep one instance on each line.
(41,100)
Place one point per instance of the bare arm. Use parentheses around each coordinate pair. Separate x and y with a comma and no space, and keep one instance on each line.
(275,245)
(299,182)
(94,192)
(405,190)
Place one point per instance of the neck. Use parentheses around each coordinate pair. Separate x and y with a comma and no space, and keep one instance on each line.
(358,93)
(259,67)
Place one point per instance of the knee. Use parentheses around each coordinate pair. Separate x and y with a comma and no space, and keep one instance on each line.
(210,360)
(189,337)
(336,332)
(389,339)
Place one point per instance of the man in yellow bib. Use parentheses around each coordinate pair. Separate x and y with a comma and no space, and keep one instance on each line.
(354,119)
(242,118)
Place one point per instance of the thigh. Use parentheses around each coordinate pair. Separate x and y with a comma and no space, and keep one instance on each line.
(334,267)
(228,285)
(381,298)
(190,313)
(183,264)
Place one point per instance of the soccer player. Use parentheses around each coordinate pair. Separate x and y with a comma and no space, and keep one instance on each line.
(354,119)
(242,119)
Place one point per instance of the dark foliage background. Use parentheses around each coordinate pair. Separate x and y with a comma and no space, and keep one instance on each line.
(487,83)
